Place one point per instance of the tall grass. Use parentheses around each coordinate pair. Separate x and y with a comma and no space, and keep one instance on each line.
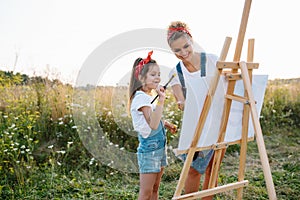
(43,157)
(281,106)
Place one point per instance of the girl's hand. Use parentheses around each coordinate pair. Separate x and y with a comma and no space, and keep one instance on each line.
(161,93)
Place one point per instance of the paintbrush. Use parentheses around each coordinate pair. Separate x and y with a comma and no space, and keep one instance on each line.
(165,86)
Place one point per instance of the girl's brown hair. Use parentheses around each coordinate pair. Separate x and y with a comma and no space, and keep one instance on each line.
(136,84)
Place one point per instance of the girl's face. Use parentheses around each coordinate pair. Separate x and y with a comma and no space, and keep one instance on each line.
(152,79)
(183,49)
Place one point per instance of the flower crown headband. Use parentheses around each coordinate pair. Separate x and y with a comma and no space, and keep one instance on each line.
(178,29)
(141,64)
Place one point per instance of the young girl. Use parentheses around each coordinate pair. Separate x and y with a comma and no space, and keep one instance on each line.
(146,118)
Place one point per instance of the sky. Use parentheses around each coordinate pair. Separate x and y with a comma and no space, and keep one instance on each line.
(55,37)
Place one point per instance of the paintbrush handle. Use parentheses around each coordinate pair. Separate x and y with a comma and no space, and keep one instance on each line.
(165,87)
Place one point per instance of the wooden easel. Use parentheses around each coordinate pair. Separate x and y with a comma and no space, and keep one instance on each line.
(238,70)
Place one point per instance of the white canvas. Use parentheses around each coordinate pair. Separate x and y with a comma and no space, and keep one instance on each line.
(196,94)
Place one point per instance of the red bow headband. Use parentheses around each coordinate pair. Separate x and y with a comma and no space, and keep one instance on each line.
(173,30)
(141,64)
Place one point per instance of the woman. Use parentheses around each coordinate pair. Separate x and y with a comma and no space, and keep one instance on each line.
(192,65)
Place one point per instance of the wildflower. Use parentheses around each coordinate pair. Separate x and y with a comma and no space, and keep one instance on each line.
(69,143)
(50,147)
(171,113)
(75,105)
(12,126)
(91,161)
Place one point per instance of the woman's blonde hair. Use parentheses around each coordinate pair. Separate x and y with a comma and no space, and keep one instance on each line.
(176,30)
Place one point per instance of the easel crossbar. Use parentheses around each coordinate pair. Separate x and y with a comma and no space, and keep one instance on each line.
(233,76)
(214,146)
(237,98)
(235,65)
(216,190)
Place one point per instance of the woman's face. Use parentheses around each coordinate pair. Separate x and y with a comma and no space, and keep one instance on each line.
(182,48)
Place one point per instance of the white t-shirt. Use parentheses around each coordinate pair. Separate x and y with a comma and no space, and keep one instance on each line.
(139,122)
(195,97)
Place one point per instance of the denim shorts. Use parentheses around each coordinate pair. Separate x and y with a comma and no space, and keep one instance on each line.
(151,162)
(201,162)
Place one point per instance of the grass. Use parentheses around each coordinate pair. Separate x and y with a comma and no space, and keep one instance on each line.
(43,157)
(101,182)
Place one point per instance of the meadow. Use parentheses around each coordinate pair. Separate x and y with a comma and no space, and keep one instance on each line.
(44,152)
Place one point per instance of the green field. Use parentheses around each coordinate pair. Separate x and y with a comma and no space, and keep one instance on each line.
(43,156)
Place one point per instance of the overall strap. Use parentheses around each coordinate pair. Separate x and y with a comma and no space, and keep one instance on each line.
(203,63)
(180,75)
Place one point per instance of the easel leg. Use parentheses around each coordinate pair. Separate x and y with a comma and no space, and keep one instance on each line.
(184,172)
(246,112)
(259,137)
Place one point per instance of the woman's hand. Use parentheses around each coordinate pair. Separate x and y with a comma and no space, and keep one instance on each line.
(180,105)
(171,127)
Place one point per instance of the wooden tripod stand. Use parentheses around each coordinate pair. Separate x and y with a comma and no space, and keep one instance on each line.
(238,70)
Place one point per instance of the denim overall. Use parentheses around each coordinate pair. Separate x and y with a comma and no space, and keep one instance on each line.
(156,140)
(151,152)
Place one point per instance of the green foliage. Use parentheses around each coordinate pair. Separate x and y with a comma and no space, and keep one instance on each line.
(9,78)
(42,156)
(281,106)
